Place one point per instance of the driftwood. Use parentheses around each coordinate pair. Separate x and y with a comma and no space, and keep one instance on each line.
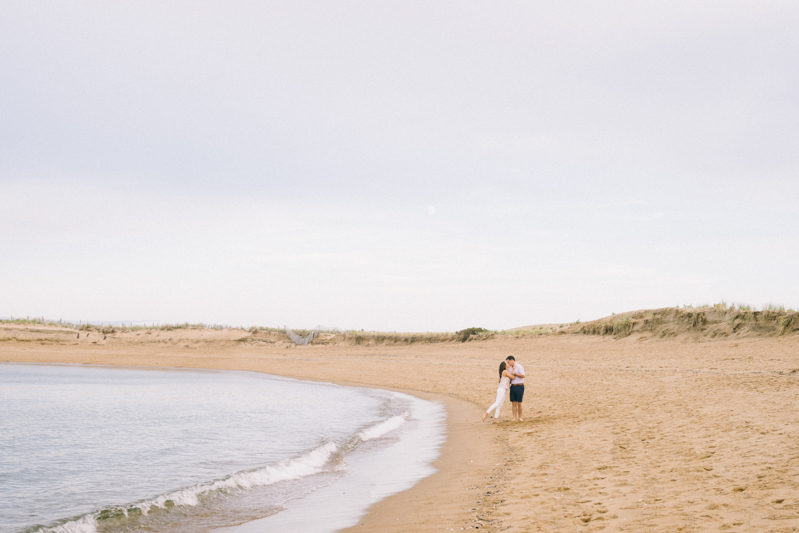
(302,341)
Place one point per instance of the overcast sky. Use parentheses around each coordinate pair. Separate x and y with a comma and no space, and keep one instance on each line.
(409,166)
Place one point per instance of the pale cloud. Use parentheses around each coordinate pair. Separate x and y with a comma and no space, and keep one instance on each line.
(266,162)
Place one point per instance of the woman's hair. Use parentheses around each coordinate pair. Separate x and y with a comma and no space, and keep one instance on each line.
(501,369)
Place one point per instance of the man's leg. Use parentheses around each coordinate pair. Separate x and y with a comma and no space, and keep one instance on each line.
(520,411)
(514,408)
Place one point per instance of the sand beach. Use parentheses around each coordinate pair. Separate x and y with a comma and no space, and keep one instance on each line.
(465,182)
(631,432)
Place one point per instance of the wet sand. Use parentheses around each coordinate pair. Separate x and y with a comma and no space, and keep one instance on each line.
(620,435)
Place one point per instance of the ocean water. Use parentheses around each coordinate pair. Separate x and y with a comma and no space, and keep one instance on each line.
(99,449)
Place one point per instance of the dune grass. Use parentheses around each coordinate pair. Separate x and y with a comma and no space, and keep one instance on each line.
(370,335)
(723,304)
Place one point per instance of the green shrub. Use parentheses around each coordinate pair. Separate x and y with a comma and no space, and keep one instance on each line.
(464,334)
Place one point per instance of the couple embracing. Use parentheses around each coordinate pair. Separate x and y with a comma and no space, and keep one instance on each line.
(511,376)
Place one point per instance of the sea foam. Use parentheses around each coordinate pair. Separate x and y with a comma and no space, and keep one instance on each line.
(311,463)
(306,465)
(378,430)
(85,524)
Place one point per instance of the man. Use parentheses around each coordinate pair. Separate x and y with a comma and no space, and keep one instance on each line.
(516,387)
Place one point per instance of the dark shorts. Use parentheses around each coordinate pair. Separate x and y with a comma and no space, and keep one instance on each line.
(516,393)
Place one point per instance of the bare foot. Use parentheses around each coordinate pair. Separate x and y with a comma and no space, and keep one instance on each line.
(484,417)
(496,420)
(521,420)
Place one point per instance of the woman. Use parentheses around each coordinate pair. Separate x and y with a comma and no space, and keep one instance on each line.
(504,384)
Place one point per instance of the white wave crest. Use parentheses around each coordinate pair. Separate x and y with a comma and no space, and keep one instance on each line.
(85,524)
(308,464)
(382,428)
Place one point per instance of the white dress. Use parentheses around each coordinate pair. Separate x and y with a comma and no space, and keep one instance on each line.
(504,385)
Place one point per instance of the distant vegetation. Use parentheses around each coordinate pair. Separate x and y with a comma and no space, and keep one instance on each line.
(464,334)
(720,319)
(743,307)
(704,321)
(534,331)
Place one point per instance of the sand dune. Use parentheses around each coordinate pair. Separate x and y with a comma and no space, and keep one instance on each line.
(705,322)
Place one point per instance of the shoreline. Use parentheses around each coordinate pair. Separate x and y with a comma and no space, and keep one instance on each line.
(466,458)
(632,433)
(460,456)
(234,438)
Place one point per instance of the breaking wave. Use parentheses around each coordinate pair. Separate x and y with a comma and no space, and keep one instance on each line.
(378,430)
(308,464)
(85,524)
